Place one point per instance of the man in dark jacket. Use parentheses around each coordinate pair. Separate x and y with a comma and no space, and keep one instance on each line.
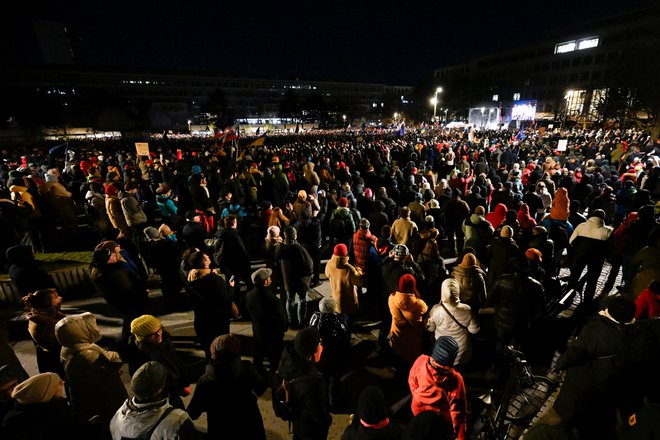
(297,269)
(308,398)
(311,237)
(25,271)
(269,320)
(233,257)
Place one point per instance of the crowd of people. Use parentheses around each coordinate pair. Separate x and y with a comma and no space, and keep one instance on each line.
(434,235)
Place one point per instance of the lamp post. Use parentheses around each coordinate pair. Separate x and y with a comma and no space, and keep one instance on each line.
(567,98)
(434,101)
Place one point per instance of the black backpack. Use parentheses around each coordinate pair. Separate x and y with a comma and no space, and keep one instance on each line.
(281,391)
(340,226)
(559,235)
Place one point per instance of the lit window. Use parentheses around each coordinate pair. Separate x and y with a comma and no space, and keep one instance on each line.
(496,97)
(565,47)
(588,43)
(516,96)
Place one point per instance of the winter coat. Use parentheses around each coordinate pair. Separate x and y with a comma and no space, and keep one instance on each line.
(121,288)
(308,398)
(441,324)
(53,420)
(560,205)
(441,390)
(235,256)
(116,214)
(647,304)
(344,292)
(478,234)
(212,304)
(599,367)
(517,299)
(407,330)
(296,265)
(133,419)
(139,353)
(132,210)
(594,228)
(501,251)
(92,373)
(269,319)
(363,243)
(473,285)
(336,343)
(227,394)
(42,330)
(403,230)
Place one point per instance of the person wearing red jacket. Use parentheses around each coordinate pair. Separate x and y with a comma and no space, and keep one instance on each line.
(648,302)
(436,386)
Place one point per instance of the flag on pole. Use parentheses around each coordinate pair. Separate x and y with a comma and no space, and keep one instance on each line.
(258,130)
(258,141)
(59,149)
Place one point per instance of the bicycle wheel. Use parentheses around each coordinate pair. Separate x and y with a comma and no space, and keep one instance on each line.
(526,403)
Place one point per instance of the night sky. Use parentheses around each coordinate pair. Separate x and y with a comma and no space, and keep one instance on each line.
(375,41)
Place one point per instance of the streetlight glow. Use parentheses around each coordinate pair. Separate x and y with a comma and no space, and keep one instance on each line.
(434,101)
(438,90)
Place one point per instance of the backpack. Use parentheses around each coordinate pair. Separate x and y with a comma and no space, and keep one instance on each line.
(147,434)
(340,225)
(559,235)
(281,393)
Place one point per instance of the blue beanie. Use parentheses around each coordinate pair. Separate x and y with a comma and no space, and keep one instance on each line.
(445,351)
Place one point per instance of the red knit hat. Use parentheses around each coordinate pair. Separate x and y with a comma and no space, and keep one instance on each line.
(111,190)
(341,250)
(407,284)
(343,202)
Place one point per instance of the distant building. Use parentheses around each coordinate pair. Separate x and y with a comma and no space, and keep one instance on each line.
(172,98)
(570,74)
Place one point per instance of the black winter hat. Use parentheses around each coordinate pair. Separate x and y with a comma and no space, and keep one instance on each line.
(622,309)
(371,406)
(307,341)
(429,425)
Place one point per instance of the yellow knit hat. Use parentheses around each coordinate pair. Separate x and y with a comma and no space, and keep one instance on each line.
(144,325)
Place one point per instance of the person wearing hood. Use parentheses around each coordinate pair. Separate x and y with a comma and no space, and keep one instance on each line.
(478,232)
(58,202)
(167,204)
(472,280)
(452,318)
(526,222)
(97,211)
(373,420)
(228,392)
(26,272)
(406,336)
(311,177)
(211,298)
(43,314)
(590,247)
(149,414)
(307,391)
(436,386)
(341,275)
(498,215)
(151,342)
(40,411)
(92,373)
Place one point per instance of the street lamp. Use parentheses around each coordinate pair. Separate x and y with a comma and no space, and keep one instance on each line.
(344,118)
(434,101)
(567,98)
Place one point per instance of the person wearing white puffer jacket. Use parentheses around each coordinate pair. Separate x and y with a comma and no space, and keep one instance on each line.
(452,318)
